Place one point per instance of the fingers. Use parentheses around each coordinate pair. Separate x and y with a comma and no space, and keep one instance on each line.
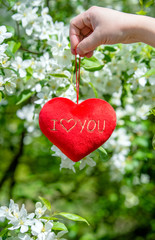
(80,27)
(88,55)
(75,27)
(74,39)
(88,44)
(85,31)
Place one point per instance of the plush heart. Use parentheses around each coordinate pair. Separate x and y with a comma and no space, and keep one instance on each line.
(77,129)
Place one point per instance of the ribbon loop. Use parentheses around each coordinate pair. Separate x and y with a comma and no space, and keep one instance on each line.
(77,76)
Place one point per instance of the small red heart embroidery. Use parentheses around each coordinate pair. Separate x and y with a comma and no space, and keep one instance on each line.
(77,129)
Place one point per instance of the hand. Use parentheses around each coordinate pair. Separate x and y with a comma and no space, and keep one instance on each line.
(99,25)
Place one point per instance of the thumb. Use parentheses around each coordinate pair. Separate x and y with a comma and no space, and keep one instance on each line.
(89,43)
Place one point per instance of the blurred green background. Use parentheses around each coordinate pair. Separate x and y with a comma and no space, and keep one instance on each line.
(118,208)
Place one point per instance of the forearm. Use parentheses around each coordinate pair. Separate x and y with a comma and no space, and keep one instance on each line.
(99,26)
(140,29)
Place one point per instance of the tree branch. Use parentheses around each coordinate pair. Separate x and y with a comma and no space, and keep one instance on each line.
(11,169)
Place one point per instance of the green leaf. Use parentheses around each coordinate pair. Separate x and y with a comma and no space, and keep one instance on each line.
(10,69)
(59,226)
(151,112)
(29,71)
(94,89)
(141,142)
(9,53)
(72,217)
(149,73)
(141,2)
(11,3)
(46,203)
(107,58)
(5,230)
(16,47)
(103,154)
(110,49)
(141,12)
(0,96)
(59,75)
(13,46)
(103,150)
(25,96)
(91,64)
(2,71)
(10,29)
(49,218)
(148,4)
(60,89)
(153,142)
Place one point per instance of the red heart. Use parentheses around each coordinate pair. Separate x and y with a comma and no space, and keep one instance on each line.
(77,129)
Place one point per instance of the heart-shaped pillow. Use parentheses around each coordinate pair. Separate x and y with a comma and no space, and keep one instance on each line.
(77,129)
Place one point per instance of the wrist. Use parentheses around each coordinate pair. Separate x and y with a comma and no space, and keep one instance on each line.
(139,29)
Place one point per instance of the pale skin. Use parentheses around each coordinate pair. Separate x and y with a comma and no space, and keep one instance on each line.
(98,26)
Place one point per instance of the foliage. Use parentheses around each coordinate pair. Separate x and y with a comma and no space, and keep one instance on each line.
(17,224)
(115,191)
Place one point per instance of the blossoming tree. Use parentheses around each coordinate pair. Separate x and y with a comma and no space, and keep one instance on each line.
(36,65)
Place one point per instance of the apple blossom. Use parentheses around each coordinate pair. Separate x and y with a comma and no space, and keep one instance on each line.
(9,85)
(40,210)
(41,230)
(25,15)
(19,65)
(4,34)
(37,225)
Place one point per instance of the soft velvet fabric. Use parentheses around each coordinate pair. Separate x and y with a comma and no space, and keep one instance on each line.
(77,129)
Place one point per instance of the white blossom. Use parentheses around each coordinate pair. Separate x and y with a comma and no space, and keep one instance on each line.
(58,45)
(44,95)
(24,236)
(3,48)
(120,143)
(9,85)
(28,226)
(4,34)
(45,16)
(36,3)
(131,199)
(26,113)
(1,83)
(4,61)
(63,58)
(87,161)
(20,218)
(40,210)
(4,212)
(69,93)
(41,230)
(25,15)
(151,80)
(19,65)
(144,178)
(59,235)
(39,70)
(65,161)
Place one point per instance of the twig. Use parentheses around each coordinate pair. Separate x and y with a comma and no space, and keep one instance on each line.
(47,3)
(29,51)
(18,32)
(4,4)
